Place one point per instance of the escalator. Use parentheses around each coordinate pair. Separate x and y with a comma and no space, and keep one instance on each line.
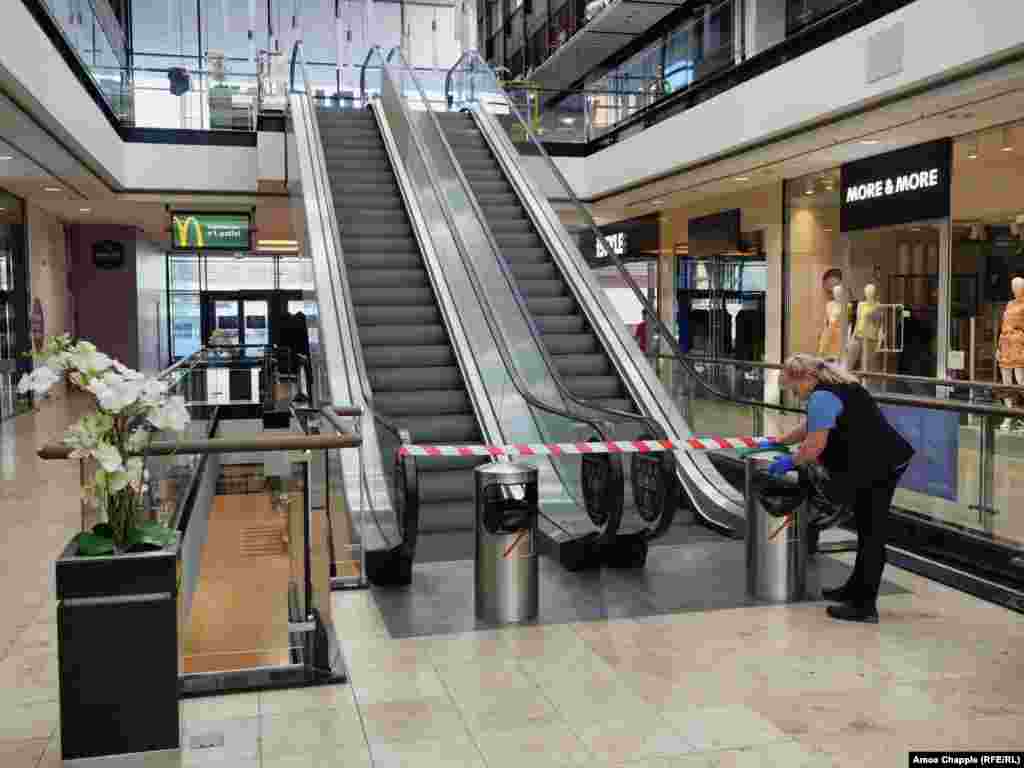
(581,360)
(412,368)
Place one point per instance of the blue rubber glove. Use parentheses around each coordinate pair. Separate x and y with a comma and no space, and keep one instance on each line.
(781,465)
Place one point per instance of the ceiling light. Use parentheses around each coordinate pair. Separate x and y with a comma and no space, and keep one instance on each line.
(742,178)
(659,201)
(2,210)
(827,229)
(51,189)
(1007,140)
(972,148)
(870,142)
(277,243)
(6,157)
(568,120)
(85,210)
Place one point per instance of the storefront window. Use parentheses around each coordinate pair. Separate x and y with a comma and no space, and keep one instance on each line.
(242,273)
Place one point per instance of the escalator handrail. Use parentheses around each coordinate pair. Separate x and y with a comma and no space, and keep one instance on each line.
(521,386)
(298,62)
(472,57)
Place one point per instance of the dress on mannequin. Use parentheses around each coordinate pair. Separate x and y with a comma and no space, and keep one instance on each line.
(1011,343)
(830,343)
(867,331)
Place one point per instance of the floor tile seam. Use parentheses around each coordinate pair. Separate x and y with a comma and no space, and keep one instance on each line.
(451,697)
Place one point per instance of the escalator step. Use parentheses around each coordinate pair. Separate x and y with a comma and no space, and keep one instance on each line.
(503,226)
(402,335)
(448,516)
(383,260)
(396,357)
(570,343)
(371,244)
(413,379)
(370,223)
(451,429)
(533,271)
(492,211)
(518,240)
(356,194)
(560,305)
(385,297)
(542,288)
(439,403)
(364,175)
(527,256)
(594,387)
(384,316)
(456,485)
(618,404)
(561,324)
(584,365)
(373,203)
(381,278)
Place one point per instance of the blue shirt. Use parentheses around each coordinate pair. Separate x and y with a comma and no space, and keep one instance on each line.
(823,409)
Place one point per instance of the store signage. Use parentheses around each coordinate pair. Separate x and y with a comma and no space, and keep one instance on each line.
(616,241)
(899,187)
(211,231)
(630,240)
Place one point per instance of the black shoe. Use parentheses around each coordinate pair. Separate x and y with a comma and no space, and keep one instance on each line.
(850,612)
(841,594)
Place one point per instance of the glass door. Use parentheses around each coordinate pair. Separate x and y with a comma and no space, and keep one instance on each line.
(256,326)
(225,319)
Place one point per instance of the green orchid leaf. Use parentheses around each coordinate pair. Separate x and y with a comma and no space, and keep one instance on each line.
(152,534)
(91,545)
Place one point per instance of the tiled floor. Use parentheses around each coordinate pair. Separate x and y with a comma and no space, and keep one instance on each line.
(744,687)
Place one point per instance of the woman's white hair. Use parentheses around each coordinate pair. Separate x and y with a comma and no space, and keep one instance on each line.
(803,365)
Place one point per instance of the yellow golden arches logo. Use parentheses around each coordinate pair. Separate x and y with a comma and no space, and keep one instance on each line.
(182,226)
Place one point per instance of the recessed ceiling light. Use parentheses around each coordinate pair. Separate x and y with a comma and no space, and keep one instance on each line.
(742,178)
(6,157)
(85,210)
(51,189)
(659,201)
(869,142)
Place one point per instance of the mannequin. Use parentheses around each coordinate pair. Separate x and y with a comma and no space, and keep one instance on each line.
(1011,343)
(830,343)
(867,333)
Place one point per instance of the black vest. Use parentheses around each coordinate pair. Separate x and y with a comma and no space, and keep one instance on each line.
(863,448)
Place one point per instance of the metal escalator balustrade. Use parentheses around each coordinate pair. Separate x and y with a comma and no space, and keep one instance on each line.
(410,363)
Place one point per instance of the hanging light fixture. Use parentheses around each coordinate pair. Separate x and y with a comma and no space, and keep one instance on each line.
(971,146)
(1007,144)
(809,190)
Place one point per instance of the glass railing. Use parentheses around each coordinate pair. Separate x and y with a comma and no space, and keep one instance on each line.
(261,538)
(98,42)
(969,447)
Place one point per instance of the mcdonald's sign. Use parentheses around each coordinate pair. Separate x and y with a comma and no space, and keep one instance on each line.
(211,231)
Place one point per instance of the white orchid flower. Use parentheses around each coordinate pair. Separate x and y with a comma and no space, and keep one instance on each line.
(173,415)
(128,373)
(89,361)
(39,381)
(109,457)
(119,396)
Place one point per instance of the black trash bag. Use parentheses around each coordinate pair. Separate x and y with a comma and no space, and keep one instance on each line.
(780,497)
(827,498)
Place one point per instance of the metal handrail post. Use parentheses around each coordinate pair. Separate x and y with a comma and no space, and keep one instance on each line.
(986,471)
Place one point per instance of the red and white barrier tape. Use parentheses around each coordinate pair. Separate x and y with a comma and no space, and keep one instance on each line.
(611,446)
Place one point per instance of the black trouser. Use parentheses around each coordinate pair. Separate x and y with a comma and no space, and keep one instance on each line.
(871,508)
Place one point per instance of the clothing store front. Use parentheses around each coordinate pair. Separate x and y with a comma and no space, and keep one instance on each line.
(868,263)
(911,262)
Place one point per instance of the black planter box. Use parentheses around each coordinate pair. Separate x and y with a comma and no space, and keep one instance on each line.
(117,634)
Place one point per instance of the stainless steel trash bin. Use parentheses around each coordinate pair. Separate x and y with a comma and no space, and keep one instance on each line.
(776,552)
(506,566)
